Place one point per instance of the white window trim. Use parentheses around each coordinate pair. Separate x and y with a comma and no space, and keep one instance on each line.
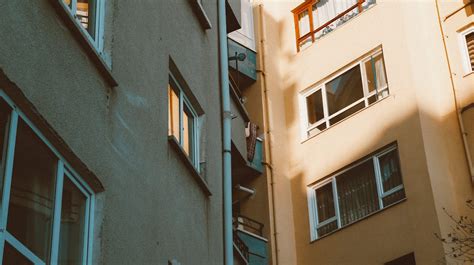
(183,100)
(98,42)
(466,62)
(63,170)
(306,128)
(311,194)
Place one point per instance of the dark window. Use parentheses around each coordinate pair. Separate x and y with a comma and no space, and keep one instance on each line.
(408,259)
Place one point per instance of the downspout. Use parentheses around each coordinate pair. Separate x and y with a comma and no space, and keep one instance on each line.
(267,129)
(453,87)
(226,131)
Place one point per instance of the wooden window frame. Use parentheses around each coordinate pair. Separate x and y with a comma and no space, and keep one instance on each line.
(307,6)
(311,192)
(64,170)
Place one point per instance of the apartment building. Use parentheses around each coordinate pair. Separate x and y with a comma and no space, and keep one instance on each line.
(111,132)
(368,120)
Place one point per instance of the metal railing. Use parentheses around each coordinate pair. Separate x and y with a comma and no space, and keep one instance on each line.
(313,32)
(248,224)
(244,250)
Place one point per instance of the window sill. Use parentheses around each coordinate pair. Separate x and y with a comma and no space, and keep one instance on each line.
(201,14)
(305,139)
(83,40)
(358,221)
(468,74)
(189,165)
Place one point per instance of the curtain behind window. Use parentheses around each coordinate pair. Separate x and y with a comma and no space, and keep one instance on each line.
(357,193)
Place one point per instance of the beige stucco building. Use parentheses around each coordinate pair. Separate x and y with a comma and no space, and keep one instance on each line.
(368,124)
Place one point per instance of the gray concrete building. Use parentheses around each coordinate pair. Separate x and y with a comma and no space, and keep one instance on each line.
(111,132)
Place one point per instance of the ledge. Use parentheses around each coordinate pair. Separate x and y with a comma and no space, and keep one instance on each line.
(201,14)
(83,40)
(21,101)
(189,165)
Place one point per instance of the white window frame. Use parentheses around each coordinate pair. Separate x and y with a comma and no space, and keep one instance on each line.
(184,101)
(312,201)
(64,170)
(98,41)
(466,62)
(382,93)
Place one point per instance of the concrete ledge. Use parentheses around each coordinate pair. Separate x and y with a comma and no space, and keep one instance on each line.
(20,100)
(189,165)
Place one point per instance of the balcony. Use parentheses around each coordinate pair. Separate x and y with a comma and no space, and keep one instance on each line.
(314,19)
(242,72)
(249,232)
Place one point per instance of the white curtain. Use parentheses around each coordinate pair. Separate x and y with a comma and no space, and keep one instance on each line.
(380,75)
(325,10)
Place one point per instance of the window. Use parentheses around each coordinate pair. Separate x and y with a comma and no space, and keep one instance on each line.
(314,19)
(467,48)
(355,192)
(46,208)
(90,15)
(183,122)
(408,259)
(351,90)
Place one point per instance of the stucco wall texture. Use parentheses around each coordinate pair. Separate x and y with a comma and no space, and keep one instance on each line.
(420,115)
(152,209)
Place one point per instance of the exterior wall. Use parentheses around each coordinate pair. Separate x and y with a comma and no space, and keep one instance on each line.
(420,115)
(120,132)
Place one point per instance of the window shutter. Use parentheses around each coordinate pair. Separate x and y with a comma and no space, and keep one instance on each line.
(470,48)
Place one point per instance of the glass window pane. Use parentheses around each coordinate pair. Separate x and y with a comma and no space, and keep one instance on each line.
(73,211)
(188,132)
(303,23)
(344,90)
(390,170)
(379,79)
(5,111)
(347,113)
(173,113)
(326,229)
(86,14)
(12,257)
(357,192)
(314,103)
(393,198)
(30,213)
(325,202)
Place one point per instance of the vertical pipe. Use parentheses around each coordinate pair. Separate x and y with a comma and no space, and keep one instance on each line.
(455,98)
(226,130)
(268,134)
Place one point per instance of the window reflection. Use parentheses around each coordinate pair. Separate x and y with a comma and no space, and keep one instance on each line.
(31,205)
(73,208)
(12,257)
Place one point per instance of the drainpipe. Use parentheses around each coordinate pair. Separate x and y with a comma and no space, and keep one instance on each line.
(226,131)
(453,87)
(268,136)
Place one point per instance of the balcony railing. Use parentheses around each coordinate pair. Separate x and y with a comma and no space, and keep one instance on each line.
(248,224)
(240,245)
(306,22)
